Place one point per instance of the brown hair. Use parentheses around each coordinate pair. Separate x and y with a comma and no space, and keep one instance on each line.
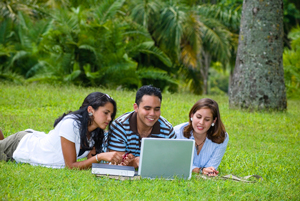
(215,133)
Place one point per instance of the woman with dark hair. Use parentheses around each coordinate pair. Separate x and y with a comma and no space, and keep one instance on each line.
(76,135)
(206,128)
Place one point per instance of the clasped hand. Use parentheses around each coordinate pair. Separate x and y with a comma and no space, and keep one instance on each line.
(130,160)
(209,171)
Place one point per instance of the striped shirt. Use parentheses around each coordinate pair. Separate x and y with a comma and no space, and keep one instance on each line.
(211,153)
(124,137)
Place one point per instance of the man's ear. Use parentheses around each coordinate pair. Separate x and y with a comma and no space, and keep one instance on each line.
(135,107)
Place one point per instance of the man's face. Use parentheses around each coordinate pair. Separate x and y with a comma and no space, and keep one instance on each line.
(148,111)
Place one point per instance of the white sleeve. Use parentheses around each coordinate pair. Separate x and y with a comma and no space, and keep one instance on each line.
(69,129)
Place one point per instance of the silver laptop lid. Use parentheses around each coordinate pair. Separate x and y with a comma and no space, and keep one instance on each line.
(166,158)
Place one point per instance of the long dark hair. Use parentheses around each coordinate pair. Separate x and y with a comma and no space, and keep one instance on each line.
(215,133)
(81,116)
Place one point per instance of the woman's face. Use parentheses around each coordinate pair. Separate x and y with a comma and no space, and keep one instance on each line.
(102,116)
(202,120)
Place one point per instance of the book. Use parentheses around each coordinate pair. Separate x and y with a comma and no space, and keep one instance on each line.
(106,169)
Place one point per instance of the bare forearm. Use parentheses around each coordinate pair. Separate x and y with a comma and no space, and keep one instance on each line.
(81,165)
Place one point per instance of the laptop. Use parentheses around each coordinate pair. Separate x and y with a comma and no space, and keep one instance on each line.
(166,158)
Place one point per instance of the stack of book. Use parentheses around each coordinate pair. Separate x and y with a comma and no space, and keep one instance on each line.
(116,170)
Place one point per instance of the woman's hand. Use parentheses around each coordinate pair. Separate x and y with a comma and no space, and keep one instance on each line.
(210,171)
(92,153)
(196,170)
(113,157)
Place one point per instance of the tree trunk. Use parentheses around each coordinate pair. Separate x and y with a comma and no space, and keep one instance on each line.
(204,69)
(258,80)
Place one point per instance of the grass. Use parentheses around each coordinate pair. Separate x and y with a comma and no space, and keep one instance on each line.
(266,144)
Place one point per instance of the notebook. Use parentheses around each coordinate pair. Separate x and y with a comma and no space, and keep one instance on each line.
(166,158)
(115,170)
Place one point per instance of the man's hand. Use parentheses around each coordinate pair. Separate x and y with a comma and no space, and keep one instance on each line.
(130,160)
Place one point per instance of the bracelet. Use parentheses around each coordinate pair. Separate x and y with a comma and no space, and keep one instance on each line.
(97,158)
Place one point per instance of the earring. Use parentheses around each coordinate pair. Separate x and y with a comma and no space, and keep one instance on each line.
(90,114)
(212,124)
(191,119)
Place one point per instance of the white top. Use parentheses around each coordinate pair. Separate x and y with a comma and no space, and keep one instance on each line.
(38,148)
(211,153)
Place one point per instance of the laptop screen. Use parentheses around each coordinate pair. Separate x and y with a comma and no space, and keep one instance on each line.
(166,158)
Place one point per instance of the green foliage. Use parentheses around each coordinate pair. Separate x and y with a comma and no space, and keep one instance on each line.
(266,144)
(89,46)
(158,78)
(291,65)
(86,43)
(188,34)
(219,82)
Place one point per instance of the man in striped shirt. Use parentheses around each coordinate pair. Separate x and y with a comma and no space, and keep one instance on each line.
(127,131)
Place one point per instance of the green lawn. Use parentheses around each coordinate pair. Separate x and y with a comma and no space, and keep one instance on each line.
(266,144)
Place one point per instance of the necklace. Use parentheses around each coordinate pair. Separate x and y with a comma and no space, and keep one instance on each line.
(197,145)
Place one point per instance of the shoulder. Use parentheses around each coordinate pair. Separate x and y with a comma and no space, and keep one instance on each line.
(226,138)
(121,125)
(124,118)
(179,130)
(181,126)
(224,143)
(69,120)
(164,123)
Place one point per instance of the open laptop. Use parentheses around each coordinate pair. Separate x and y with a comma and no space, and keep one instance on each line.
(166,158)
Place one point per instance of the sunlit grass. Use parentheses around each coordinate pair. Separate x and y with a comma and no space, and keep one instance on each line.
(266,144)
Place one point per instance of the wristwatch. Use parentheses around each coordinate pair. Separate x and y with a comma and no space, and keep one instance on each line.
(201,169)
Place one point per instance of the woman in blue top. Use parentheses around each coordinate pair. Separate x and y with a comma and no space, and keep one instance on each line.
(206,128)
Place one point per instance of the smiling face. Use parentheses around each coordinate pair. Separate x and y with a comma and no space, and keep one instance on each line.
(202,120)
(101,116)
(148,111)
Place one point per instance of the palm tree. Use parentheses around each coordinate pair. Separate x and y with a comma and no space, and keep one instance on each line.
(189,38)
(95,46)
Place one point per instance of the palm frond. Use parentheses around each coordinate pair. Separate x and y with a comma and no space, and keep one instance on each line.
(90,48)
(37,67)
(216,38)
(145,12)
(189,57)
(169,29)
(149,48)
(72,76)
(157,77)
(12,77)
(228,16)
(18,56)
(107,10)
